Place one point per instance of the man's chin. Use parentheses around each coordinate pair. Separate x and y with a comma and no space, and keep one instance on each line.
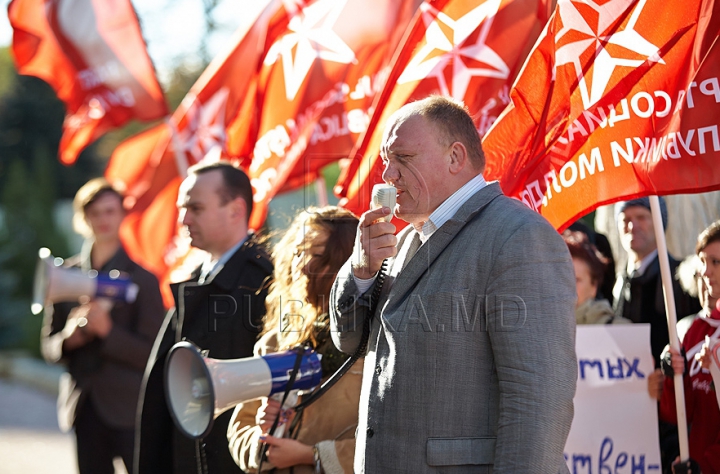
(106,236)
(637,248)
(194,242)
(409,217)
(630,245)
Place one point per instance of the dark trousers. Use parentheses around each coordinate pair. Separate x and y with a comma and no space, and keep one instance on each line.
(669,445)
(98,443)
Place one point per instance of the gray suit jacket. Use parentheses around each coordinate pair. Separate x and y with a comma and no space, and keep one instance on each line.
(471,363)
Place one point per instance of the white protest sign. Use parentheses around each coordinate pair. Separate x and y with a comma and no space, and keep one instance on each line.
(615,428)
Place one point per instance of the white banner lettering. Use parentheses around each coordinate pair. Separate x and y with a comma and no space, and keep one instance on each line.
(615,428)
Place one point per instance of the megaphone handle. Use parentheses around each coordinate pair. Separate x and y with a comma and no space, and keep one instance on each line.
(105,303)
(280,428)
(290,400)
(288,388)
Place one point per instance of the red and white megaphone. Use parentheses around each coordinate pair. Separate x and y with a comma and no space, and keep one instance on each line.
(198,389)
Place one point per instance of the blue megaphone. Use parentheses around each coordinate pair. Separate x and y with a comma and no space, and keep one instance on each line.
(198,389)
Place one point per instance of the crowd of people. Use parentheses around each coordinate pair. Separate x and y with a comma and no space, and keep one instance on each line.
(456,334)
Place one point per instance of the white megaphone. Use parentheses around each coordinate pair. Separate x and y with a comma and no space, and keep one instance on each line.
(54,283)
(198,389)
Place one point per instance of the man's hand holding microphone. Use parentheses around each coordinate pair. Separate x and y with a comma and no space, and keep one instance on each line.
(375,240)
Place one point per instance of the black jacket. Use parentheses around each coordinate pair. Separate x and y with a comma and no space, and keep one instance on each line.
(641,300)
(160,446)
(109,371)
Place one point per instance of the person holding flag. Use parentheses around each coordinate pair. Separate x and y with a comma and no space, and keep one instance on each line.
(703,413)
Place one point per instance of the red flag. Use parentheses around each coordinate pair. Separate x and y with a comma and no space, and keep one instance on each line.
(466,49)
(153,164)
(314,91)
(616,101)
(140,166)
(223,111)
(226,88)
(93,54)
(149,175)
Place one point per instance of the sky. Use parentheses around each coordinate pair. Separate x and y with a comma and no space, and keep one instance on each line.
(172,28)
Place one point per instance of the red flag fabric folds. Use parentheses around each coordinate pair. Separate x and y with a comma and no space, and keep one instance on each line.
(618,99)
(93,54)
(314,91)
(466,49)
(290,96)
(152,165)
(148,173)
(226,89)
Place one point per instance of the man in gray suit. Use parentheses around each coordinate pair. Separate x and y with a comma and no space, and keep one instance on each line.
(471,361)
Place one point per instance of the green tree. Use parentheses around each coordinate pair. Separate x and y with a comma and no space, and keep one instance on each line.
(28,226)
(31,181)
(6,70)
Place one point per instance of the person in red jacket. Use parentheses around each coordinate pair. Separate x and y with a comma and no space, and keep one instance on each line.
(703,413)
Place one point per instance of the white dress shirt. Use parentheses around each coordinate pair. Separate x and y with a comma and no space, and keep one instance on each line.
(439,216)
(210,268)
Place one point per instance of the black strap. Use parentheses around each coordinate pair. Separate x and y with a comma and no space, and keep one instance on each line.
(294,428)
(200,457)
(359,352)
(300,352)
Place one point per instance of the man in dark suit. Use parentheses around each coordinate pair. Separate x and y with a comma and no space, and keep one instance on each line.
(105,345)
(470,366)
(638,290)
(639,296)
(215,202)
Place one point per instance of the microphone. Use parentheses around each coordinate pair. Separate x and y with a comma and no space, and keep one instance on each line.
(384,195)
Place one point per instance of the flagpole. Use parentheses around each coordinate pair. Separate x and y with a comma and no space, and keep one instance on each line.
(180,158)
(321,191)
(672,324)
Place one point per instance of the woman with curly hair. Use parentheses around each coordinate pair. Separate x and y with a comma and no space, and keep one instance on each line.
(306,260)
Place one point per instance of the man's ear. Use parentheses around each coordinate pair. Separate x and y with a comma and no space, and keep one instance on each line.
(239,208)
(458,157)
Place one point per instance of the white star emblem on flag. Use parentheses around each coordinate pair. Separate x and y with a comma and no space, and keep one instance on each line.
(311,37)
(424,65)
(604,64)
(206,125)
